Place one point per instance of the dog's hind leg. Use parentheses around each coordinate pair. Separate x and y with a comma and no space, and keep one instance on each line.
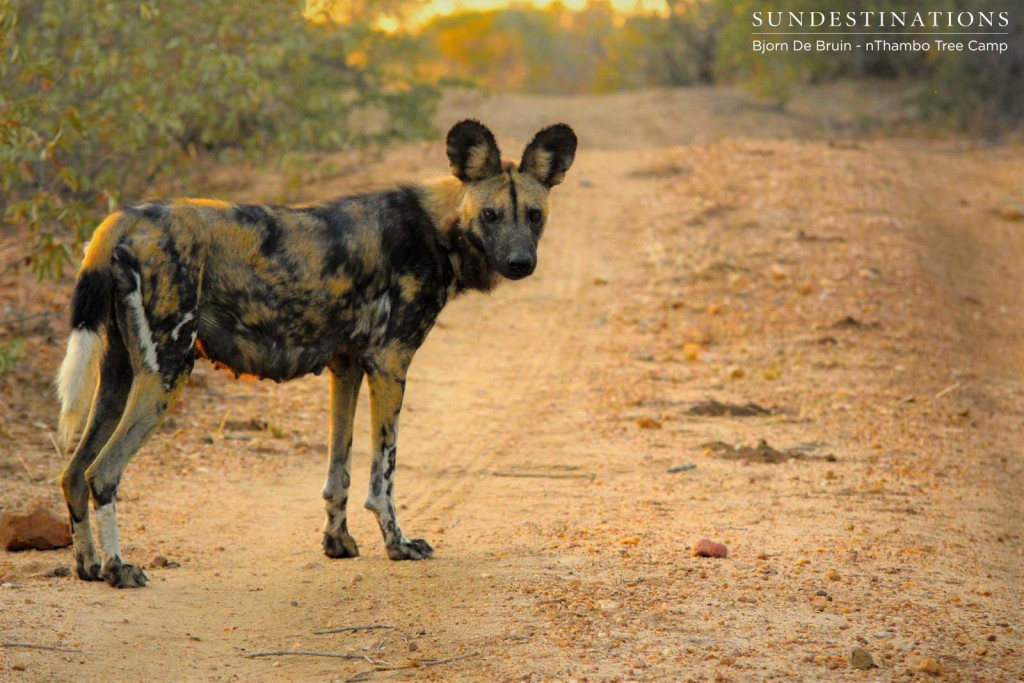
(162,356)
(107,409)
(148,402)
(346,377)
(387,388)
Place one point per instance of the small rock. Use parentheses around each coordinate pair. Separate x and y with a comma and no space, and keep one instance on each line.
(58,572)
(357,577)
(161,561)
(35,527)
(413,646)
(681,468)
(648,423)
(991,638)
(735,372)
(861,659)
(1011,212)
(819,602)
(692,351)
(928,666)
(705,547)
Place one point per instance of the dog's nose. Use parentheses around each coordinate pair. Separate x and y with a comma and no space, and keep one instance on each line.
(520,266)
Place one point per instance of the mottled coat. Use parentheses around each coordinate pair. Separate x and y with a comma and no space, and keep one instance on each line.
(353,284)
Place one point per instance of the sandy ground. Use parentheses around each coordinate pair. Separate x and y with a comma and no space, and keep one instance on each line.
(866,291)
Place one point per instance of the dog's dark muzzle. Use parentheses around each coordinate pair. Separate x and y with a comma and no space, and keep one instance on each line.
(518,267)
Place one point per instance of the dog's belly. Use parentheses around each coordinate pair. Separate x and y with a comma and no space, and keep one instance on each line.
(291,340)
(270,347)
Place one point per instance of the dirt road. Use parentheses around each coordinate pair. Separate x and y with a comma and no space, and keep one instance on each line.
(867,293)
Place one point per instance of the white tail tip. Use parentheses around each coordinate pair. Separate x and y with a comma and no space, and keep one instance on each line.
(76,382)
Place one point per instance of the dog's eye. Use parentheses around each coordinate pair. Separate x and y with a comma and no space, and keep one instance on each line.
(488,215)
(534,215)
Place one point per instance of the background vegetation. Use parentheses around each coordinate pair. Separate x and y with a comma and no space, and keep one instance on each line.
(704,42)
(100,99)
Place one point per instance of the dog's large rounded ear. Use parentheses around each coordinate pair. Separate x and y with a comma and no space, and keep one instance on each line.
(472,152)
(550,154)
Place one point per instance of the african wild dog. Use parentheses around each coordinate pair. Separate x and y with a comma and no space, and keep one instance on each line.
(353,285)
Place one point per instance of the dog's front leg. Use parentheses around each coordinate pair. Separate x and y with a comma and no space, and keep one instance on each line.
(346,376)
(387,387)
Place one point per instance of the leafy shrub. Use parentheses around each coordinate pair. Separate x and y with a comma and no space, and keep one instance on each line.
(11,352)
(99,99)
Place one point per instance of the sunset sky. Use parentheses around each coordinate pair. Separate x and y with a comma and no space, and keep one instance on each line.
(450,6)
(438,7)
(417,17)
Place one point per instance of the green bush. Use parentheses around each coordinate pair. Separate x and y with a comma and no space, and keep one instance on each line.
(99,100)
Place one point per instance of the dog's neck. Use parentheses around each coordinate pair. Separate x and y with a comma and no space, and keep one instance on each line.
(470,269)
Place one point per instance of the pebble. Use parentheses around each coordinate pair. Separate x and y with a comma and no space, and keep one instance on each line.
(413,646)
(692,351)
(833,575)
(861,659)
(928,666)
(648,423)
(705,547)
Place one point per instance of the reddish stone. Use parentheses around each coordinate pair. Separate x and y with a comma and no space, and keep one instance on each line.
(705,547)
(35,527)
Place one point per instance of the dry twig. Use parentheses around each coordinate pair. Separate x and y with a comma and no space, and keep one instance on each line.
(315,653)
(411,664)
(25,318)
(36,646)
(342,629)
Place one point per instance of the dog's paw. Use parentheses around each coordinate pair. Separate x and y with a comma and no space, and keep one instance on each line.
(120,575)
(340,546)
(87,570)
(416,549)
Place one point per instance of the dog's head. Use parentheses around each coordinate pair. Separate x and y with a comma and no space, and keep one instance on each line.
(505,205)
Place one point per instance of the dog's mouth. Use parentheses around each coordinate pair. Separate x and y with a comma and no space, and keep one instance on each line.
(477,243)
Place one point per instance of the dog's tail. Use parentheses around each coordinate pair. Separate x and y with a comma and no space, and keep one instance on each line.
(91,309)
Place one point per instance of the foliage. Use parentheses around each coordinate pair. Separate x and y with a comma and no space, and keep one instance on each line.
(521,48)
(981,90)
(554,49)
(100,99)
(11,352)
